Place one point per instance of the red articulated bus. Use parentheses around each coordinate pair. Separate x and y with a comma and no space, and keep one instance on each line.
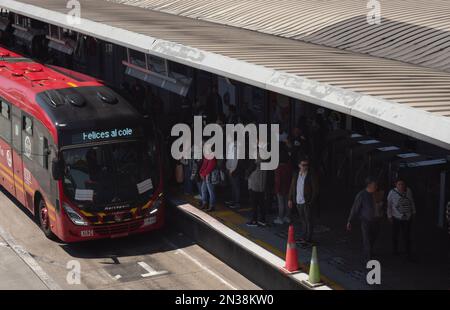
(76,154)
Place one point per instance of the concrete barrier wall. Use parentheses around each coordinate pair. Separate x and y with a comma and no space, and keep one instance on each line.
(252,261)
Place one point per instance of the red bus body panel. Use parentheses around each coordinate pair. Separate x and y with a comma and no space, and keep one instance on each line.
(20,82)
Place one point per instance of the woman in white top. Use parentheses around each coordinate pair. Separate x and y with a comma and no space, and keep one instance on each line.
(400,211)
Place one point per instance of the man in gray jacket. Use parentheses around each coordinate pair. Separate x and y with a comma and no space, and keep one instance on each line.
(364,209)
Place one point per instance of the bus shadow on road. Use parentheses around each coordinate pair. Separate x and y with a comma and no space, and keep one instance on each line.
(134,245)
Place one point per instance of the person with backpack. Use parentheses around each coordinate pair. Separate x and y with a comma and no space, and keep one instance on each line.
(400,211)
(257,186)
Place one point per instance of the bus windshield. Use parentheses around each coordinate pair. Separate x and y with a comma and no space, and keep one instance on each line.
(108,174)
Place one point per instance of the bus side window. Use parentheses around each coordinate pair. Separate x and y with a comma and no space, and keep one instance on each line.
(44,150)
(27,125)
(27,137)
(5,120)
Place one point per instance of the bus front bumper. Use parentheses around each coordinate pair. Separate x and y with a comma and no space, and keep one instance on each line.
(74,233)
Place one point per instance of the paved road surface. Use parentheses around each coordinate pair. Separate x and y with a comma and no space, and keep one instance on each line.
(162,260)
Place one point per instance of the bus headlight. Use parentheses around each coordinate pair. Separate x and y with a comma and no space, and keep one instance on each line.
(74,216)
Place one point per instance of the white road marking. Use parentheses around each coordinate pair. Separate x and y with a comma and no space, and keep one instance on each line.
(198,263)
(29,260)
(150,271)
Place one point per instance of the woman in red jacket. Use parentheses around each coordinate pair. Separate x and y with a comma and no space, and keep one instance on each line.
(208,188)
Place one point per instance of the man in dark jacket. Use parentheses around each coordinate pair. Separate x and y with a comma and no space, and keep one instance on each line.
(214,105)
(364,209)
(303,193)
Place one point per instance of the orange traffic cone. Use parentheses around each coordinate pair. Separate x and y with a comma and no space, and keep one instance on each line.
(291,252)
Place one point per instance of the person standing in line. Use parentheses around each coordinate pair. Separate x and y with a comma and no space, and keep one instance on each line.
(364,208)
(195,173)
(448,217)
(187,183)
(233,167)
(257,181)
(208,188)
(232,117)
(400,211)
(187,170)
(299,144)
(283,177)
(214,104)
(304,192)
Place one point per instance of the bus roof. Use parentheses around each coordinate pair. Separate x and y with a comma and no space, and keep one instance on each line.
(60,97)
(87,107)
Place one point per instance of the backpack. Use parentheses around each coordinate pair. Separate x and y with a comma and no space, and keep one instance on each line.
(215,177)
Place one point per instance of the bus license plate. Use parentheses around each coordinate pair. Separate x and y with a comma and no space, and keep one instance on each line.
(87,233)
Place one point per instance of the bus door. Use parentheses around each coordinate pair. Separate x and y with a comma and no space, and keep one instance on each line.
(17,154)
(6,174)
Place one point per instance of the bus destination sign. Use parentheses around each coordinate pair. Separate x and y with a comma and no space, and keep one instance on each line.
(102,135)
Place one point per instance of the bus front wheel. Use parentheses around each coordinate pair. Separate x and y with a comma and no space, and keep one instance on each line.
(44,219)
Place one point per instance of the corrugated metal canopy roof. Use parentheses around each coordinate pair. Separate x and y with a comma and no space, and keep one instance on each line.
(413,31)
(410,99)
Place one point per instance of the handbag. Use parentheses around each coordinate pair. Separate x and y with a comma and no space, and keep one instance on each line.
(215,177)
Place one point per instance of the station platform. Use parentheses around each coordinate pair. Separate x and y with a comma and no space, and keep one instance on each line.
(340,252)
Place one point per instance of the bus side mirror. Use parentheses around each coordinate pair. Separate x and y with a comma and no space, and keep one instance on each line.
(57,169)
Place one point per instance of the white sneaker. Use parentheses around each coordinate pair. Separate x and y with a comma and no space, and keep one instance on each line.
(278,221)
(287,220)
